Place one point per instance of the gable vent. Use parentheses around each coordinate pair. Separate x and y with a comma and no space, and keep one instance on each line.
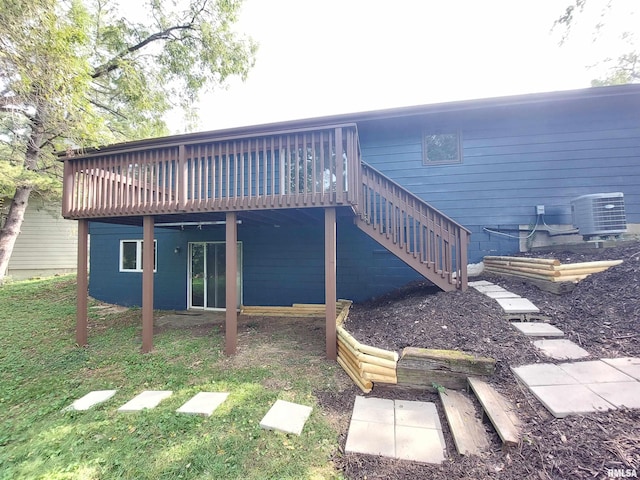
(599,214)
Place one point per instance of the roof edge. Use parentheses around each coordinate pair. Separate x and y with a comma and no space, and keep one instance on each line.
(408,111)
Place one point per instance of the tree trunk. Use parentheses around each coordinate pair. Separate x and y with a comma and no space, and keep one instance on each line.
(11,229)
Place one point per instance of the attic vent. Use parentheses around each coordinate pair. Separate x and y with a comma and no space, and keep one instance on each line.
(599,214)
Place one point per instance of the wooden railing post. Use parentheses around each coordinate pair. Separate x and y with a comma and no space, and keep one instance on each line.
(182,186)
(339,165)
(465,239)
(67,188)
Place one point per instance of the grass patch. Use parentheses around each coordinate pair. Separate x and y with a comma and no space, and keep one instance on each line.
(41,372)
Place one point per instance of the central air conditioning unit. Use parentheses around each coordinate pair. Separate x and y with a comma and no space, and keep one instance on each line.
(599,214)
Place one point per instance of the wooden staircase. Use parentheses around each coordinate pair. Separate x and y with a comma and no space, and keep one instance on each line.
(424,238)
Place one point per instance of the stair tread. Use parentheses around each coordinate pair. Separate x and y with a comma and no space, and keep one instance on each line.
(468,433)
(499,410)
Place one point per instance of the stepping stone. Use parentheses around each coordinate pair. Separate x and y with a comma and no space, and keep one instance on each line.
(406,430)
(286,417)
(595,372)
(504,294)
(91,399)
(561,349)
(371,438)
(517,305)
(376,410)
(619,393)
(424,445)
(543,374)
(479,283)
(489,288)
(147,399)
(563,400)
(410,413)
(628,365)
(418,432)
(537,329)
(203,403)
(372,427)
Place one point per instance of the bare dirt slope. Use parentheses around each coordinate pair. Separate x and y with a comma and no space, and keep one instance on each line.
(602,314)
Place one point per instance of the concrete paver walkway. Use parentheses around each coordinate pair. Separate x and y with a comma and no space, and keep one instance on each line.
(556,349)
(581,387)
(568,388)
(628,365)
(401,429)
(561,349)
(537,329)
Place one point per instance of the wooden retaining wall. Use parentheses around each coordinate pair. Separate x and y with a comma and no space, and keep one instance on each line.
(296,310)
(366,364)
(547,269)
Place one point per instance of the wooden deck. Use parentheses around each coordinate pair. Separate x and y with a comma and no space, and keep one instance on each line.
(291,169)
(177,179)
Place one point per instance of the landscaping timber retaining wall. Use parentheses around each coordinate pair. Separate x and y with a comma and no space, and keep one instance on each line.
(297,310)
(365,364)
(548,269)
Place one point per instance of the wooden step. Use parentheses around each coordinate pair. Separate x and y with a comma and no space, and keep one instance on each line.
(499,410)
(468,433)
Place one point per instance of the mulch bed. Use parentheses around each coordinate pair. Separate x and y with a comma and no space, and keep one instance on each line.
(602,314)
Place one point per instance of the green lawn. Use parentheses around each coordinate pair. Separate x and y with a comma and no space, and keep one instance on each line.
(42,371)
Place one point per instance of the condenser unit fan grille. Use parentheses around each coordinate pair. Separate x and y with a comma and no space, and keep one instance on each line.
(599,214)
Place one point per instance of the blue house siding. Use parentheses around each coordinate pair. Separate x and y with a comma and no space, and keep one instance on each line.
(281,266)
(518,152)
(514,159)
(108,284)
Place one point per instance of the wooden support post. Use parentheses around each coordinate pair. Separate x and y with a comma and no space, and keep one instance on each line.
(82,283)
(330,296)
(67,188)
(148,257)
(231,320)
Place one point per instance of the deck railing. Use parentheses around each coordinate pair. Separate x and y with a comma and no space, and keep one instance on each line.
(289,169)
(425,238)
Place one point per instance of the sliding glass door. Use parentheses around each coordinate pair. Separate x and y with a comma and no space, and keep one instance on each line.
(207,277)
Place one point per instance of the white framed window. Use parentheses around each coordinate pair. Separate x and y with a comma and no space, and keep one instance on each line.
(441,148)
(131,255)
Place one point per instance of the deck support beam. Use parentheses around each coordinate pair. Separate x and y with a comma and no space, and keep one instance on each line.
(148,257)
(330,296)
(231,274)
(82,283)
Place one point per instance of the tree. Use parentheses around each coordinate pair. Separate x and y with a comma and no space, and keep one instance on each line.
(78,73)
(623,67)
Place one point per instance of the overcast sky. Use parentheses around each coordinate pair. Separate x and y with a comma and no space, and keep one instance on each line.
(323,57)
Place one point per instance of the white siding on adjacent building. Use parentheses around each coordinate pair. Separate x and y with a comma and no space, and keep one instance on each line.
(47,243)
